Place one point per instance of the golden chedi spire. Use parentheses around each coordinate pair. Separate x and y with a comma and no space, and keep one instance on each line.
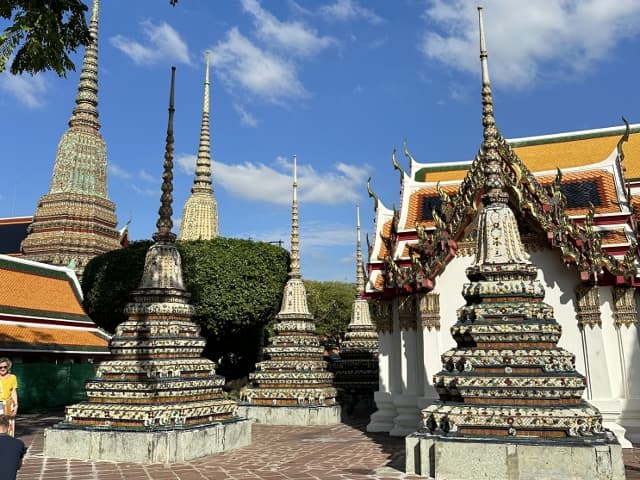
(75,221)
(200,214)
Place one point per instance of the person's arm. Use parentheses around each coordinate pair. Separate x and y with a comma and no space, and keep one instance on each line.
(14,401)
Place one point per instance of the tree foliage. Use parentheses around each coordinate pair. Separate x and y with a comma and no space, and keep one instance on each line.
(236,287)
(42,34)
(331,304)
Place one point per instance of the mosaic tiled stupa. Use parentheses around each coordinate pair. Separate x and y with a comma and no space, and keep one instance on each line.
(293,385)
(357,375)
(75,221)
(511,401)
(200,214)
(156,399)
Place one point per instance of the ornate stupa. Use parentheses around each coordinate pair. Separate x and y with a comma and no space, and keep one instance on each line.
(75,221)
(293,385)
(200,214)
(511,401)
(357,375)
(155,392)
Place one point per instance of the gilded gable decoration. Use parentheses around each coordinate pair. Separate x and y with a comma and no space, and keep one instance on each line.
(625,310)
(429,310)
(588,306)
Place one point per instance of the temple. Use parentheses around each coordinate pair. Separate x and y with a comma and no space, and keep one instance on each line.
(156,399)
(75,221)
(510,385)
(356,377)
(200,214)
(292,386)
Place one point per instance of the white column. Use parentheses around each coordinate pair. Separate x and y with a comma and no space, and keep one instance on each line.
(429,326)
(382,419)
(625,316)
(407,419)
(599,381)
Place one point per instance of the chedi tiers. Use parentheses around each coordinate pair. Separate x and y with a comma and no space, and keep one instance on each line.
(507,376)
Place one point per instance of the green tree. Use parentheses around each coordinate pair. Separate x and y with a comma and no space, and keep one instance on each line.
(42,34)
(236,287)
(331,304)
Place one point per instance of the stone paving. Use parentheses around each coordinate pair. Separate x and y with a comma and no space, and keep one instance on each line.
(338,452)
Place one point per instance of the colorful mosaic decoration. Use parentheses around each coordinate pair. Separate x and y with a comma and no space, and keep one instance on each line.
(294,372)
(358,370)
(506,376)
(200,214)
(75,221)
(155,379)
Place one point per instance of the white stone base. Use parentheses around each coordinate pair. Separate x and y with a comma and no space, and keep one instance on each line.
(408,418)
(382,420)
(329,415)
(453,458)
(146,447)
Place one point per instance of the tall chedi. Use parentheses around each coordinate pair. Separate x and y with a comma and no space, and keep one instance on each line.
(292,386)
(75,221)
(200,214)
(357,375)
(511,401)
(156,399)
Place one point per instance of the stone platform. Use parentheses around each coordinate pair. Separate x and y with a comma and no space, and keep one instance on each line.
(168,446)
(463,458)
(300,416)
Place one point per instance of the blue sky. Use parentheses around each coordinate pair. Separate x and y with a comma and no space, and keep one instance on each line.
(340,83)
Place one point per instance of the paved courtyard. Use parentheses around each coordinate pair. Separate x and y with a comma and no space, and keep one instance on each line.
(341,452)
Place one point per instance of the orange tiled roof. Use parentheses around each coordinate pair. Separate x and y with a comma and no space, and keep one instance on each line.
(541,155)
(386,231)
(30,291)
(51,338)
(614,237)
(605,185)
(415,205)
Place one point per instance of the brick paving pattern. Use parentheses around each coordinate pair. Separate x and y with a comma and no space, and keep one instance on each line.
(339,452)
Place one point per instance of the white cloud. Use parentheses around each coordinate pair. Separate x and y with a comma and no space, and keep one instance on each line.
(28,90)
(186,162)
(523,37)
(326,188)
(117,171)
(147,177)
(347,10)
(313,235)
(239,62)
(163,44)
(246,118)
(292,37)
(147,192)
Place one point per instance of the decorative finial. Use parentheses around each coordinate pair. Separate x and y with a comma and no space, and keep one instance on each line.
(165,223)
(372,194)
(85,113)
(491,161)
(202,181)
(295,245)
(359,272)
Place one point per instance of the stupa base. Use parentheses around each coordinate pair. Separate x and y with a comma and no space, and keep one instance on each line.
(165,446)
(462,458)
(301,416)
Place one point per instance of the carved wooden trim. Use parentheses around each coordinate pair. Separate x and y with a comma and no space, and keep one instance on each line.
(588,306)
(624,307)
